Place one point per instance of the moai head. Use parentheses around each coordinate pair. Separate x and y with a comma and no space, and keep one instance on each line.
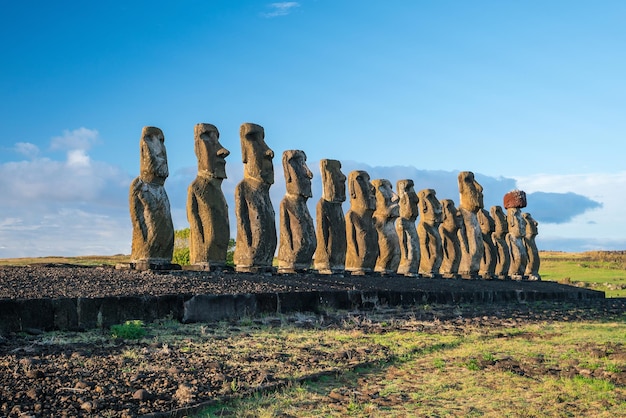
(386,200)
(499,218)
(333,181)
(531,225)
(153,157)
(297,174)
(362,193)
(211,154)
(255,154)
(449,216)
(487,223)
(408,199)
(471,193)
(430,208)
(516,222)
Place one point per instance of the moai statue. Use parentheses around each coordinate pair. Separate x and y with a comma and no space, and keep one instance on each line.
(503,256)
(532,268)
(330,254)
(385,215)
(431,252)
(406,229)
(297,230)
(256,226)
(207,210)
(153,230)
(513,202)
(472,247)
(488,262)
(361,235)
(451,221)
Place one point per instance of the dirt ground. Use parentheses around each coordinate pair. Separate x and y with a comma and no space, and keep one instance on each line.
(175,367)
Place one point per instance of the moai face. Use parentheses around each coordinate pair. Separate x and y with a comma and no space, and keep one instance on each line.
(500,225)
(211,154)
(408,199)
(430,208)
(516,222)
(531,225)
(333,181)
(256,155)
(153,157)
(487,224)
(386,199)
(449,214)
(471,193)
(362,193)
(297,174)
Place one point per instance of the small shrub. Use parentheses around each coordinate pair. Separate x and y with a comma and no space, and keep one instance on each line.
(129,330)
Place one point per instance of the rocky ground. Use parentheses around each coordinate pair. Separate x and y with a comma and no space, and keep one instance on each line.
(93,374)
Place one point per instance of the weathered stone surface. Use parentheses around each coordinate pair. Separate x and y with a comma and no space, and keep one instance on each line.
(256,226)
(532,267)
(153,230)
(515,199)
(450,244)
(297,230)
(207,210)
(515,240)
(330,254)
(361,235)
(503,257)
(488,262)
(385,215)
(431,253)
(472,247)
(407,230)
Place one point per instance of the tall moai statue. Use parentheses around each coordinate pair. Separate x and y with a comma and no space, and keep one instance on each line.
(330,254)
(513,202)
(431,252)
(472,247)
(153,230)
(407,230)
(207,210)
(297,230)
(256,225)
(361,235)
(451,221)
(488,262)
(385,215)
(501,229)
(532,268)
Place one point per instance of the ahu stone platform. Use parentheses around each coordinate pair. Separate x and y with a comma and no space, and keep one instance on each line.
(72,298)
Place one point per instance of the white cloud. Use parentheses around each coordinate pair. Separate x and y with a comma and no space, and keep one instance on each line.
(81,138)
(78,158)
(281,9)
(27,149)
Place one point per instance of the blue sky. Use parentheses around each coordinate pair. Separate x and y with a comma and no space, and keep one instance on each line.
(526,94)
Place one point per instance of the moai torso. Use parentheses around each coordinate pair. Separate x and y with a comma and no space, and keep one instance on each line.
(207,210)
(407,230)
(361,235)
(472,247)
(153,230)
(330,254)
(431,253)
(297,231)
(488,262)
(501,229)
(385,215)
(256,226)
(532,268)
(450,244)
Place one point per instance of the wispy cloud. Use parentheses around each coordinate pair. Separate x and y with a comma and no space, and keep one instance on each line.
(26,149)
(81,138)
(281,9)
